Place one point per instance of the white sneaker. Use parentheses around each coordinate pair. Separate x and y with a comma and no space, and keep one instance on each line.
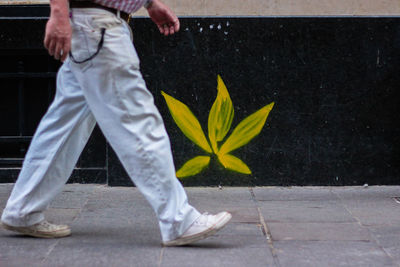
(203,227)
(43,229)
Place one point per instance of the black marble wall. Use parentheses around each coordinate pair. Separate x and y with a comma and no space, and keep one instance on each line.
(333,80)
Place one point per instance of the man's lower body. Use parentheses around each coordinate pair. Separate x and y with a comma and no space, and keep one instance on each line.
(108,89)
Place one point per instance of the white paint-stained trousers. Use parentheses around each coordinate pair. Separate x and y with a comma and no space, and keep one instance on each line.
(108,89)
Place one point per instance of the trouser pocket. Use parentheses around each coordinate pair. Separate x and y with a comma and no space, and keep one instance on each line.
(82,48)
(88,37)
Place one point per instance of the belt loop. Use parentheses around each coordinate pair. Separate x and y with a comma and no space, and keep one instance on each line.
(118,14)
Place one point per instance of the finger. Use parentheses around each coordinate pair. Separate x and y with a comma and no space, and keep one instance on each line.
(66,49)
(46,41)
(52,47)
(177,25)
(161,29)
(57,51)
(171,29)
(166,30)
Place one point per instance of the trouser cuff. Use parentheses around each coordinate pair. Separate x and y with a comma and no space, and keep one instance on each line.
(25,221)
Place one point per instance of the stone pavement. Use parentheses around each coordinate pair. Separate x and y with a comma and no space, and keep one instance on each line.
(271,226)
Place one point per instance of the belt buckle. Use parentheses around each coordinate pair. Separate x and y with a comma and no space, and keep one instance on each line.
(119,16)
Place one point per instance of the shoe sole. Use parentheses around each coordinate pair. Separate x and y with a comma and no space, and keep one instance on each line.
(211,231)
(29,232)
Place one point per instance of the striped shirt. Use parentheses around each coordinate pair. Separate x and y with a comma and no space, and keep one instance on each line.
(128,6)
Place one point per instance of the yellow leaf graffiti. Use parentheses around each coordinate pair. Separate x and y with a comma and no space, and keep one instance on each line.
(220,117)
(193,166)
(219,123)
(187,122)
(249,128)
(233,163)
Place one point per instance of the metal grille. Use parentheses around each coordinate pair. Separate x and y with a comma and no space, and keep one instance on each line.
(28,86)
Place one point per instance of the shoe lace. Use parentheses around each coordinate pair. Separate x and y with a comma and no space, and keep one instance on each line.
(45,224)
(203,219)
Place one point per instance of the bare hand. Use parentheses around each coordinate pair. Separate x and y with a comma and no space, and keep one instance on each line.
(58,36)
(166,21)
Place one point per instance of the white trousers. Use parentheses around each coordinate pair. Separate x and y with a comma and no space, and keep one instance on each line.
(108,89)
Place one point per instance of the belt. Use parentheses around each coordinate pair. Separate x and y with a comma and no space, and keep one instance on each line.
(87,4)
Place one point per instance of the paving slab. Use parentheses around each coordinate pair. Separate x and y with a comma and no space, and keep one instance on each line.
(304,211)
(388,237)
(73,196)
(120,205)
(242,229)
(115,228)
(331,253)
(238,201)
(369,192)
(294,193)
(116,197)
(110,206)
(107,243)
(61,216)
(241,246)
(17,250)
(5,191)
(241,215)
(98,254)
(318,231)
(207,254)
(225,197)
(373,206)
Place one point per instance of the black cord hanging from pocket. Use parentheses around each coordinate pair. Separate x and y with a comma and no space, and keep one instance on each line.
(99,46)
